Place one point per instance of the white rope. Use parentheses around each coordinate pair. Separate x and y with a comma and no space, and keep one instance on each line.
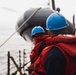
(21,25)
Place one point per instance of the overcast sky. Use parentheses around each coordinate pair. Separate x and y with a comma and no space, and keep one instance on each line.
(10,10)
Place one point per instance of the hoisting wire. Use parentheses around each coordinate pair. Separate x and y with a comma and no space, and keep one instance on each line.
(21,25)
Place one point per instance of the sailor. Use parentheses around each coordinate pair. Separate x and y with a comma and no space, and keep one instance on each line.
(39,35)
(60,57)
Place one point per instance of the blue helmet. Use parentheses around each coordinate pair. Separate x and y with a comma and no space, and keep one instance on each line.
(56,22)
(37,30)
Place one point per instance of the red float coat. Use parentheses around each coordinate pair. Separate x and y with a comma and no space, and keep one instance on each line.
(67,45)
(35,52)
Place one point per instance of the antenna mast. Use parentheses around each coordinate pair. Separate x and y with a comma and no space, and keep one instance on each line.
(53,4)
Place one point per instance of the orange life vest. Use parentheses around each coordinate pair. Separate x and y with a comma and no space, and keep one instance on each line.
(67,45)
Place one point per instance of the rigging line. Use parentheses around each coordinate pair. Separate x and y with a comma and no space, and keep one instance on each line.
(21,25)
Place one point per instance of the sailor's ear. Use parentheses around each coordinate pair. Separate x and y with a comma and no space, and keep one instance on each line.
(50,33)
(66,31)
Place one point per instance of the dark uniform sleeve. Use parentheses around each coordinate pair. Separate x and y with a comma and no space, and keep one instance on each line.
(56,62)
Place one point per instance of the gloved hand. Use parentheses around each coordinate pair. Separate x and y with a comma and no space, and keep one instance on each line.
(31,67)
